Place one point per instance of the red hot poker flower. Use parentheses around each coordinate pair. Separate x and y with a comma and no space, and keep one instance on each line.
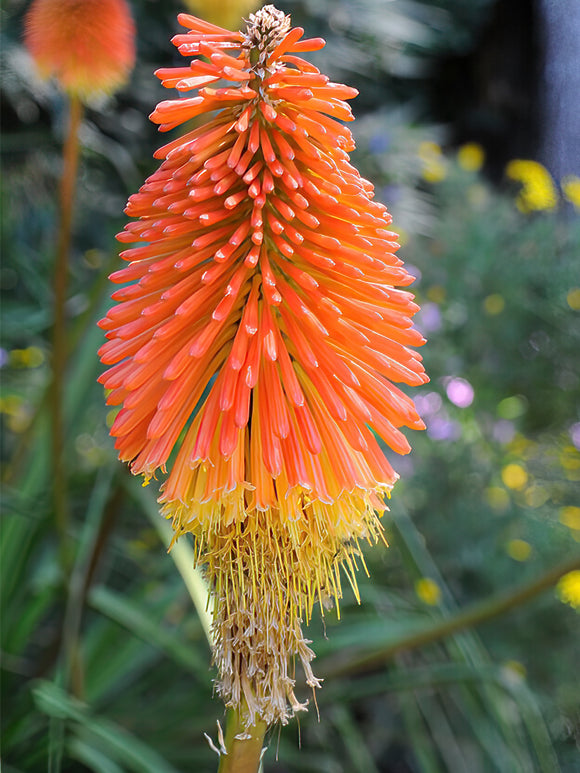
(88,45)
(258,337)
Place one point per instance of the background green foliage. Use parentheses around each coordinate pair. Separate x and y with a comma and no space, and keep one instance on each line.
(112,673)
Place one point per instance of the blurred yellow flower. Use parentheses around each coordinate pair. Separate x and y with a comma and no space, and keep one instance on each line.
(568,589)
(570,458)
(570,517)
(17,412)
(536,496)
(538,191)
(434,165)
(31,357)
(10,404)
(428,149)
(428,591)
(471,157)
(225,13)
(515,669)
(436,294)
(434,171)
(498,498)
(519,549)
(511,408)
(571,189)
(514,476)
(573,298)
(494,304)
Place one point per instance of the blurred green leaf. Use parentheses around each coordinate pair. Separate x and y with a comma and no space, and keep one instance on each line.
(360,758)
(92,757)
(183,556)
(113,740)
(137,620)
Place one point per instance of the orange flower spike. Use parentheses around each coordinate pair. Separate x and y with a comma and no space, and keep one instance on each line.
(264,324)
(87,45)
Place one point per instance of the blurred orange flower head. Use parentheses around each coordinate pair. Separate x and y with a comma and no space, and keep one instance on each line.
(256,342)
(87,45)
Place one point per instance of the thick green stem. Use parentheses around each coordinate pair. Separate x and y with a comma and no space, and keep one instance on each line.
(244,747)
(477,614)
(59,343)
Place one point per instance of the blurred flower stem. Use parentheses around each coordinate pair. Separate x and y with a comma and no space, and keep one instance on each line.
(470,617)
(244,746)
(75,335)
(101,514)
(59,341)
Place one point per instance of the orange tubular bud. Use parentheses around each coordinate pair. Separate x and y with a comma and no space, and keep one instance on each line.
(258,340)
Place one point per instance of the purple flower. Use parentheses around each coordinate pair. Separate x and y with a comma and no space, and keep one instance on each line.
(575,434)
(379,143)
(391,193)
(503,431)
(428,404)
(429,318)
(442,428)
(460,392)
